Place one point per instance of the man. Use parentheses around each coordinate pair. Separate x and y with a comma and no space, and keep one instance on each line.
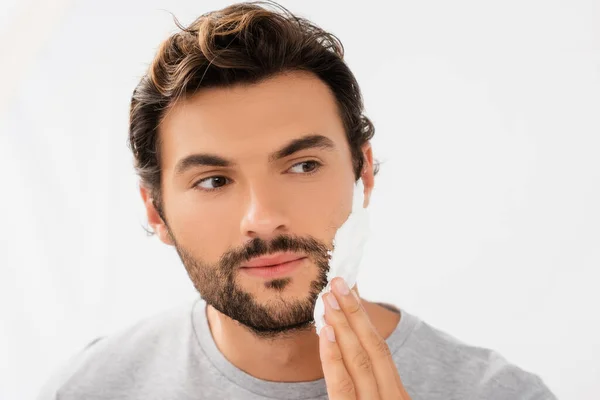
(248,137)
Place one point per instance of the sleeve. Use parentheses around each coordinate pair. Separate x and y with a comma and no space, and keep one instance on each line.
(542,392)
(513,383)
(51,387)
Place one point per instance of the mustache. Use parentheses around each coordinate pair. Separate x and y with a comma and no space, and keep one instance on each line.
(258,247)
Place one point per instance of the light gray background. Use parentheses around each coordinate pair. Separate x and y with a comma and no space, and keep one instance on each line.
(485,215)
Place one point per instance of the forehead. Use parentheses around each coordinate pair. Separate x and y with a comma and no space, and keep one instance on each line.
(246,121)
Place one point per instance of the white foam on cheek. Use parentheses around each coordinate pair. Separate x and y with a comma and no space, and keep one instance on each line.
(348,244)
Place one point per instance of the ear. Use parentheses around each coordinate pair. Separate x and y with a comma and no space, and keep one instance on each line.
(367,173)
(154,219)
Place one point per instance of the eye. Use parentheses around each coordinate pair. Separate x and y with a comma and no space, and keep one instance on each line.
(305,167)
(211,183)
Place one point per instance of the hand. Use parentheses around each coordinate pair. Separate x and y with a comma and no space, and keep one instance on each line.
(356,360)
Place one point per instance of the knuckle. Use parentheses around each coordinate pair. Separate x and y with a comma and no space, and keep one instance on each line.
(362,361)
(382,348)
(354,309)
(343,325)
(345,386)
(336,356)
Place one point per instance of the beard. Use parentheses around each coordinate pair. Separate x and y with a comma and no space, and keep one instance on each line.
(216,285)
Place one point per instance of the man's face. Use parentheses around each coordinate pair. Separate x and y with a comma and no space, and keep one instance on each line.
(250,172)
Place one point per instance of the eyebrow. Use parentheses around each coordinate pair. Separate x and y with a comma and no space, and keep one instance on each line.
(296,145)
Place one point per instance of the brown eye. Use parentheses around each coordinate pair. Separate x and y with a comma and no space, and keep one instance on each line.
(305,167)
(212,183)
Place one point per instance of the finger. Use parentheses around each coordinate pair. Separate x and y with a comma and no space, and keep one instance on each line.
(355,358)
(338,380)
(384,368)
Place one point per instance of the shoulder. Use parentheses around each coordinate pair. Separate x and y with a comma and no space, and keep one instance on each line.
(117,359)
(461,370)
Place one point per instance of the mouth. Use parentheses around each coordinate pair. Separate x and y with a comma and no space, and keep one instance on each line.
(273,267)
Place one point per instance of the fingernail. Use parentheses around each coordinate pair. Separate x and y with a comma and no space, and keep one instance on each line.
(333,301)
(356,296)
(342,287)
(330,333)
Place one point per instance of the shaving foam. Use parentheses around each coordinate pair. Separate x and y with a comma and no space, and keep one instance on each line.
(348,245)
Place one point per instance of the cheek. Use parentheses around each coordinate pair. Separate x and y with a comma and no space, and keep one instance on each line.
(320,212)
(204,229)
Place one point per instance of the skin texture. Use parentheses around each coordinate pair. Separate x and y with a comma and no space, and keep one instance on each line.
(262,204)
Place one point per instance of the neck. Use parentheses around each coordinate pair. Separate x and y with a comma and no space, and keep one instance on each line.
(292,358)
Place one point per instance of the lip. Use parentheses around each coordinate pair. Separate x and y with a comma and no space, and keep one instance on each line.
(265,268)
(272,261)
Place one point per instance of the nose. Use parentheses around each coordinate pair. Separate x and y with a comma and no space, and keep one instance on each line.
(264,215)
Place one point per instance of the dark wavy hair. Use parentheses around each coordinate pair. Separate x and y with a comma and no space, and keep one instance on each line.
(240,44)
